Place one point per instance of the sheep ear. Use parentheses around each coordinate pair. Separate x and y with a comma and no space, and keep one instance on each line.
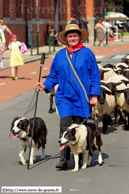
(110,93)
(125,82)
(117,84)
(105,70)
(104,84)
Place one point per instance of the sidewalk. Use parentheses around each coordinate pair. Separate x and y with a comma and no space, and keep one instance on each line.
(28,58)
(28,73)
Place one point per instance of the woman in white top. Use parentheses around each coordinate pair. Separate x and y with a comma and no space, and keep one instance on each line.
(4,27)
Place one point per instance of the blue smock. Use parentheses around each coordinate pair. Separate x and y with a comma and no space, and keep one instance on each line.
(70,98)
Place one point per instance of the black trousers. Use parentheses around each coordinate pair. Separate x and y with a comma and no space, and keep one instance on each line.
(66,122)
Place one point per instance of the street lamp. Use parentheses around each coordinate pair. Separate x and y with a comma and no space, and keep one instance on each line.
(60,16)
(79,19)
(26,20)
(37,15)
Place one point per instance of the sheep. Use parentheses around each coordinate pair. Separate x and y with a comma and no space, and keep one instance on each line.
(116,78)
(51,94)
(111,85)
(106,73)
(126,73)
(118,71)
(123,102)
(109,66)
(116,83)
(99,66)
(122,65)
(126,59)
(106,104)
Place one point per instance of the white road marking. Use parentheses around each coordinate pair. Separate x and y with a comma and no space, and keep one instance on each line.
(99,56)
(33,72)
(2,84)
(45,68)
(80,185)
(118,56)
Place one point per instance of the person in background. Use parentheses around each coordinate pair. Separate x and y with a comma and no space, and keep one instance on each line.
(70,98)
(4,27)
(54,37)
(85,25)
(73,20)
(2,47)
(120,25)
(111,30)
(99,32)
(107,28)
(127,23)
(16,57)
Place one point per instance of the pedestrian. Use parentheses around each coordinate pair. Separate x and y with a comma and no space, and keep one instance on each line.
(127,22)
(73,20)
(99,32)
(2,47)
(4,27)
(120,25)
(85,25)
(54,37)
(16,57)
(106,28)
(70,96)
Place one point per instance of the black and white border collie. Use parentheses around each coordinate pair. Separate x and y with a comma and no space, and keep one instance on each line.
(22,128)
(82,138)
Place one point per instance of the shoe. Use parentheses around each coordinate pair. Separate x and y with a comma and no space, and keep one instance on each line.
(62,164)
(13,78)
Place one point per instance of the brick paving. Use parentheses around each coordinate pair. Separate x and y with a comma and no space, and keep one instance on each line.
(29,74)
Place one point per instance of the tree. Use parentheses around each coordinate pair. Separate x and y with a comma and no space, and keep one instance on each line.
(116,6)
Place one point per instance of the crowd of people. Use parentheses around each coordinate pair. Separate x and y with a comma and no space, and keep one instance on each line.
(51,36)
(104,28)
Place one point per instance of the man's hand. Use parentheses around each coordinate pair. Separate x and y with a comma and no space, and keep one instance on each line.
(94,100)
(39,87)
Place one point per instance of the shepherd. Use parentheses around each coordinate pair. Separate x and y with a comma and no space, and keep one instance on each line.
(75,69)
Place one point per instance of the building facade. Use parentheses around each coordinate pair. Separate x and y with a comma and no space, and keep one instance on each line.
(22,16)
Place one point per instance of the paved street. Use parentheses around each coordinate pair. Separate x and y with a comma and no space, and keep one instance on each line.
(111,177)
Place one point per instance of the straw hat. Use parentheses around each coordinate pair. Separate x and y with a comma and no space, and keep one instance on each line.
(61,36)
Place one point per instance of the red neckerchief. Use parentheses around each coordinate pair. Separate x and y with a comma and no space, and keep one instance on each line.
(71,51)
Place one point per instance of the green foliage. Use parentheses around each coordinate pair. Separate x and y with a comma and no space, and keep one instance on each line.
(117,6)
(116,2)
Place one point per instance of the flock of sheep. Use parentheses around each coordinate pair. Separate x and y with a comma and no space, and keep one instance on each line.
(114,97)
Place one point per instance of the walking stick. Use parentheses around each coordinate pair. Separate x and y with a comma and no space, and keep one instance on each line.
(42,62)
